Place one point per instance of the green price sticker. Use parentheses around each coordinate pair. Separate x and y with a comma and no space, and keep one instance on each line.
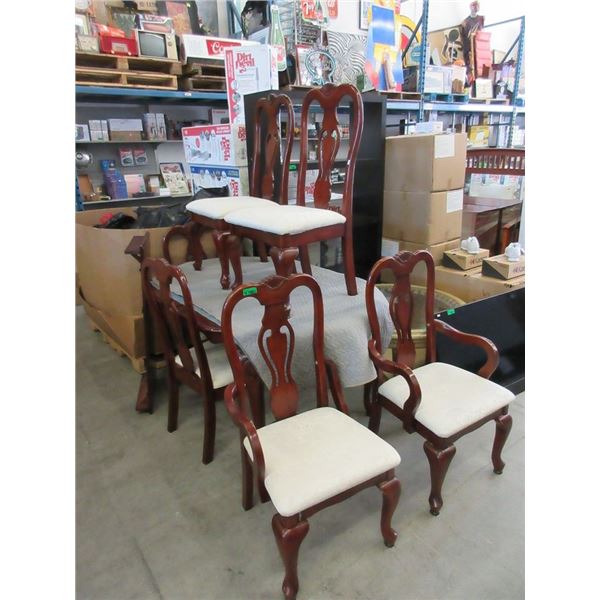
(249,291)
(450,312)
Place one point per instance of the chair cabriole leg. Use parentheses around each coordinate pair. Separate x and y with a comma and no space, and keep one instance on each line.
(210,424)
(503,427)
(289,533)
(173,410)
(219,238)
(439,461)
(391,494)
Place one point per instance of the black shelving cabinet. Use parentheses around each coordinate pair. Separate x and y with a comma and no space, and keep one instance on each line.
(368,177)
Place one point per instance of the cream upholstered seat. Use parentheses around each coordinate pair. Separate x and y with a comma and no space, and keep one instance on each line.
(218,363)
(284,219)
(317,454)
(451,398)
(217,208)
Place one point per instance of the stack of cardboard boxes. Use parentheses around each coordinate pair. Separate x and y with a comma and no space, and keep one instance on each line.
(422,210)
(423,195)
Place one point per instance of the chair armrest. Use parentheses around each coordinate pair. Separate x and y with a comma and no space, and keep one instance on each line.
(491,352)
(388,366)
(248,430)
(135,247)
(335,386)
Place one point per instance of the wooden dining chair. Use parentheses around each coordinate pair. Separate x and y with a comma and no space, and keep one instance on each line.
(191,359)
(290,228)
(267,170)
(305,461)
(439,401)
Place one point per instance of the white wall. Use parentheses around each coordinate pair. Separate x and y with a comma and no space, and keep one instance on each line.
(445,13)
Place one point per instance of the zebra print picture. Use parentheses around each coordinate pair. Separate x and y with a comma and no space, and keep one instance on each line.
(348,49)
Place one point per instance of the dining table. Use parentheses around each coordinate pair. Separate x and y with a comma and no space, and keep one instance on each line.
(346,327)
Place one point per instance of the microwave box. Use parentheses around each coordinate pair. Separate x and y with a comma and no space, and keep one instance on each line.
(422,217)
(214,176)
(150,128)
(212,48)
(389,247)
(425,163)
(248,69)
(502,268)
(463,260)
(156,44)
(481,286)
(219,145)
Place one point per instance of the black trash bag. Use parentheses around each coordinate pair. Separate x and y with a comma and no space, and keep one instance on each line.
(117,221)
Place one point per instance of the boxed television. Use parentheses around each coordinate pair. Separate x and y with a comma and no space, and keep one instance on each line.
(223,145)
(211,176)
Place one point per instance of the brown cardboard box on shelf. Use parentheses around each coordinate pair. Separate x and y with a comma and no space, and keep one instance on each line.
(390,247)
(109,280)
(502,268)
(461,259)
(425,163)
(422,217)
(484,287)
(455,282)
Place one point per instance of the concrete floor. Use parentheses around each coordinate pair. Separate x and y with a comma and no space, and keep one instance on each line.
(153,522)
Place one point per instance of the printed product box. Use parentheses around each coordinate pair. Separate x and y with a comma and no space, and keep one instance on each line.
(502,268)
(425,163)
(463,260)
(248,69)
(235,178)
(150,129)
(422,217)
(222,145)
(161,126)
(203,46)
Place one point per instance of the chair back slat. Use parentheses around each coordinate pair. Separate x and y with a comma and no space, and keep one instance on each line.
(401,304)
(329,98)
(267,168)
(276,340)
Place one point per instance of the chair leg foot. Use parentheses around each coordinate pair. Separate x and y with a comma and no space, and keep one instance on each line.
(233,248)
(219,238)
(439,461)
(503,427)
(289,533)
(391,494)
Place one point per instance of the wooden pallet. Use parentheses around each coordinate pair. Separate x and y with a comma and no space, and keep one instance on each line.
(452,98)
(393,95)
(195,67)
(489,101)
(132,79)
(128,63)
(202,82)
(136,363)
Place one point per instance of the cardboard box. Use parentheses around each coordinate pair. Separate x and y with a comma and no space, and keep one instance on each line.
(389,247)
(150,128)
(126,136)
(455,282)
(82,132)
(203,46)
(161,126)
(219,116)
(248,69)
(479,136)
(125,125)
(211,176)
(422,217)
(109,279)
(223,145)
(481,286)
(425,163)
(430,127)
(502,268)
(463,260)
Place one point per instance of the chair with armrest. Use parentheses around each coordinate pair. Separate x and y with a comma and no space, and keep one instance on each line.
(191,359)
(308,461)
(439,401)
(211,212)
(288,228)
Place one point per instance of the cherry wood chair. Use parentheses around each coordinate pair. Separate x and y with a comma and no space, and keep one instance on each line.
(191,359)
(288,228)
(439,401)
(302,462)
(211,212)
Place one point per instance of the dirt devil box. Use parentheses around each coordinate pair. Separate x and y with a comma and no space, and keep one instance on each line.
(208,48)
(248,69)
(207,176)
(218,145)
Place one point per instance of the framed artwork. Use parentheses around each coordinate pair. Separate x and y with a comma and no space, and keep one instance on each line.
(446,46)
(122,18)
(302,75)
(348,50)
(174,178)
(82,24)
(363,14)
